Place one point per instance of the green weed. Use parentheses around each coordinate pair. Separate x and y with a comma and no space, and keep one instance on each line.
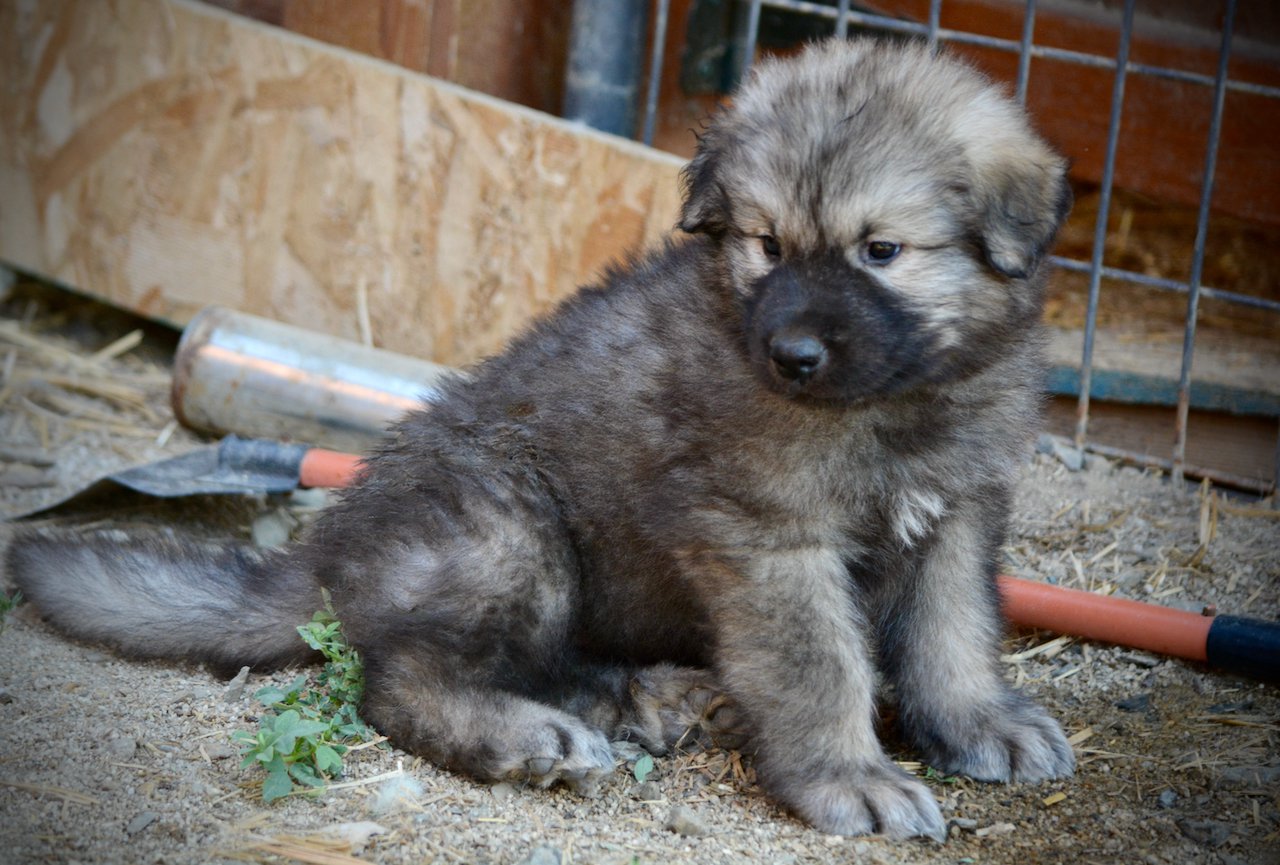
(7,603)
(310,726)
(932,774)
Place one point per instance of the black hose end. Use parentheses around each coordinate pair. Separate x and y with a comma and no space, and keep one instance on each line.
(1247,647)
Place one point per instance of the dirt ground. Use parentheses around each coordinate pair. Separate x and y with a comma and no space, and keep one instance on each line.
(109,761)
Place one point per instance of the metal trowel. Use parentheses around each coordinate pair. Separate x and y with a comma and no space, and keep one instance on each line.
(234,465)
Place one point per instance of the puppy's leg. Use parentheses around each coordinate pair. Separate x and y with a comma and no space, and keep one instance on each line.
(940,628)
(791,651)
(488,733)
(462,609)
(559,736)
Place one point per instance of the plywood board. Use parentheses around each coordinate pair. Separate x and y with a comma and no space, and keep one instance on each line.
(164,155)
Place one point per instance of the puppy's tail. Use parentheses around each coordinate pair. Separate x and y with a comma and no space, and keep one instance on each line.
(160,597)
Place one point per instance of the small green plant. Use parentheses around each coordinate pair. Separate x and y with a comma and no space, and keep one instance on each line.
(7,603)
(310,726)
(932,774)
(642,768)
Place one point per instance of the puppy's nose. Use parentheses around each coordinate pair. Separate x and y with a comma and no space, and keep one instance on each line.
(797,356)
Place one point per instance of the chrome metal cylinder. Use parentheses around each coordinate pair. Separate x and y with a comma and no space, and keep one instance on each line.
(239,373)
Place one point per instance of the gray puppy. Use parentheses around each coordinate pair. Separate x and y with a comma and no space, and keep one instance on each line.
(773,457)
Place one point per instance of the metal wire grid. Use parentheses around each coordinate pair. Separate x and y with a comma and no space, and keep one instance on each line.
(1097,270)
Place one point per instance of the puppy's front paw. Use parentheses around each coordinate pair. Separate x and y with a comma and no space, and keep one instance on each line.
(879,798)
(1014,740)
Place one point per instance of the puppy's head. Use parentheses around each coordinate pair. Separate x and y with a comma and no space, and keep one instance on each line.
(882,214)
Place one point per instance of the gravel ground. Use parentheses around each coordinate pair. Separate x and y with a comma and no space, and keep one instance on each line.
(109,761)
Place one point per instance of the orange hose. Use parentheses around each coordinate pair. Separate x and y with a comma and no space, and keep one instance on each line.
(1028,604)
(325,468)
(1098,617)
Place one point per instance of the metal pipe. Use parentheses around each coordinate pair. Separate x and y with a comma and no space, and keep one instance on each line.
(235,372)
(749,39)
(1166,284)
(1202,233)
(842,19)
(935,20)
(1100,227)
(604,64)
(1024,51)
(655,70)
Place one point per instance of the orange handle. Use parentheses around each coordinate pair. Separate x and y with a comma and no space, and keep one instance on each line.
(1098,617)
(325,468)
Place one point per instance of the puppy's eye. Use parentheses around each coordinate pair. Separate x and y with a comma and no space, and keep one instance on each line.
(882,251)
(770,245)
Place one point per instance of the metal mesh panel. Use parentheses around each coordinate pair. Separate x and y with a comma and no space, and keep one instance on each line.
(843,17)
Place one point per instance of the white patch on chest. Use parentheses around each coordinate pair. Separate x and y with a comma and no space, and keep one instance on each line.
(915,513)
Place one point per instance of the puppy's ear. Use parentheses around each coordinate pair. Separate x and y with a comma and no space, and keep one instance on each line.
(706,206)
(1023,201)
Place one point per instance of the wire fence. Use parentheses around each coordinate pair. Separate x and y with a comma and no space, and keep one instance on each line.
(843,17)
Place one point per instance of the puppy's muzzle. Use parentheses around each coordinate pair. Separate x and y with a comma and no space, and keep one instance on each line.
(818,328)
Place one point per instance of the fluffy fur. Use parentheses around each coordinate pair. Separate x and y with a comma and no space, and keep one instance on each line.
(772,458)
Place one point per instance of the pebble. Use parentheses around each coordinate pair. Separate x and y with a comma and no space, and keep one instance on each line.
(219,750)
(142,821)
(1097,465)
(1142,659)
(272,529)
(234,691)
(308,498)
(502,791)
(1228,859)
(542,856)
(1166,799)
(1211,833)
(683,821)
(205,789)
(1136,703)
(995,829)
(1249,776)
(649,791)
(25,477)
(5,696)
(121,747)
(1069,456)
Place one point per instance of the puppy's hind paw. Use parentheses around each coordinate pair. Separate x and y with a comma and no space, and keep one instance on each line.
(684,708)
(879,799)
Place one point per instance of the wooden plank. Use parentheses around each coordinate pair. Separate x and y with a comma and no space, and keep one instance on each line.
(1229,372)
(513,49)
(163,155)
(1244,447)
